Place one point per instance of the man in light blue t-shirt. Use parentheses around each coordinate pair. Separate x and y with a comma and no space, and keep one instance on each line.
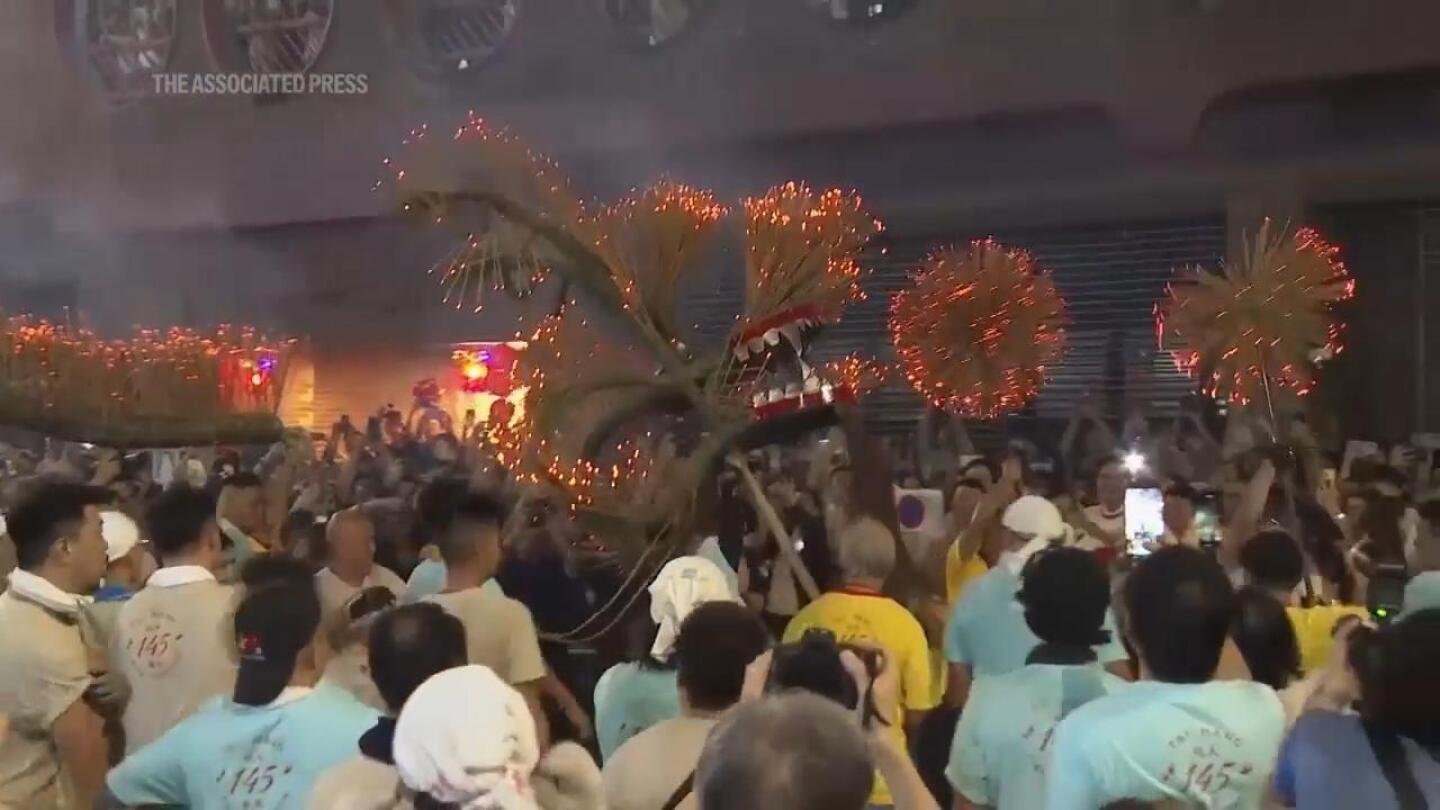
(264,747)
(1177,735)
(428,579)
(631,697)
(998,756)
(986,633)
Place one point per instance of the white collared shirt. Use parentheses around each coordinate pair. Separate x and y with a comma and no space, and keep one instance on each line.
(335,592)
(45,593)
(175,575)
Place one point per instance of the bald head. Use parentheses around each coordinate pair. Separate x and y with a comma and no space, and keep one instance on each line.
(795,751)
(350,543)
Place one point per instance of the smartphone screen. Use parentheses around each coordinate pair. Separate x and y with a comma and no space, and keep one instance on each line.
(1207,521)
(1143,521)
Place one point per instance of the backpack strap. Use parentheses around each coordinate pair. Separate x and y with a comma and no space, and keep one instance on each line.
(686,788)
(1390,753)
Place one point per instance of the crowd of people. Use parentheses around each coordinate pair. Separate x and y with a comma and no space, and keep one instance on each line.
(386,619)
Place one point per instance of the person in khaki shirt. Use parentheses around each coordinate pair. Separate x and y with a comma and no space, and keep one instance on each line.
(499,632)
(407,646)
(350,565)
(347,636)
(54,754)
(173,641)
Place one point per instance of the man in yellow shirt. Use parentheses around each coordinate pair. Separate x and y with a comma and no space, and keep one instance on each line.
(858,611)
(963,562)
(1273,562)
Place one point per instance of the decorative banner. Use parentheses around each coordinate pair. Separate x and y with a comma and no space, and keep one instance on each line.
(977,329)
(1264,323)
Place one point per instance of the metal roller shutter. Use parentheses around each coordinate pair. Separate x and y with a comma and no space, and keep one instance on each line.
(1110,275)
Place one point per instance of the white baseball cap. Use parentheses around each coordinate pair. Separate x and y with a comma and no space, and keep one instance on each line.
(120,532)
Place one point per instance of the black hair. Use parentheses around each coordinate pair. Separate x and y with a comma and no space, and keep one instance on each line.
(1180,489)
(1386,474)
(49,513)
(302,537)
(408,645)
(1066,593)
(276,570)
(474,510)
(976,462)
(1111,460)
(717,641)
(813,664)
(1179,603)
(177,519)
(373,599)
(1266,638)
(1430,511)
(286,615)
(1272,559)
(1384,541)
(633,637)
(435,508)
(243,479)
(968,483)
(1397,667)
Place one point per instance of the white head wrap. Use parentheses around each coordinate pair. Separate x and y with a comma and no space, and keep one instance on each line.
(1038,519)
(682,585)
(466,737)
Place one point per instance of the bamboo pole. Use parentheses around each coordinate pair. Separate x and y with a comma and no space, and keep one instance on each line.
(772,521)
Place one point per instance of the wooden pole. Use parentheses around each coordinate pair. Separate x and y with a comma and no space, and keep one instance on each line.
(772,521)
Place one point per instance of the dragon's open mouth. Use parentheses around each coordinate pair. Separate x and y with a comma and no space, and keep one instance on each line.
(772,350)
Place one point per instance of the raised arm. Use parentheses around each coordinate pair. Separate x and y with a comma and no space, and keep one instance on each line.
(1246,521)
(1005,491)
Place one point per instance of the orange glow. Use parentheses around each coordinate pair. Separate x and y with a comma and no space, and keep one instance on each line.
(476,371)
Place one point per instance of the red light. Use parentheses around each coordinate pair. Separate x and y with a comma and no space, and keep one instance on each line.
(476,371)
(256,379)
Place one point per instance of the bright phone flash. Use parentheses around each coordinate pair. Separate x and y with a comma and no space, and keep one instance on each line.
(1134,463)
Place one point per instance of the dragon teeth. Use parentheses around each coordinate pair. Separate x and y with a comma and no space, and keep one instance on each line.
(791,332)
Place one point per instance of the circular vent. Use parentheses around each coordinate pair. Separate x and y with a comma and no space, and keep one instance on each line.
(125,42)
(861,11)
(650,23)
(450,37)
(267,36)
